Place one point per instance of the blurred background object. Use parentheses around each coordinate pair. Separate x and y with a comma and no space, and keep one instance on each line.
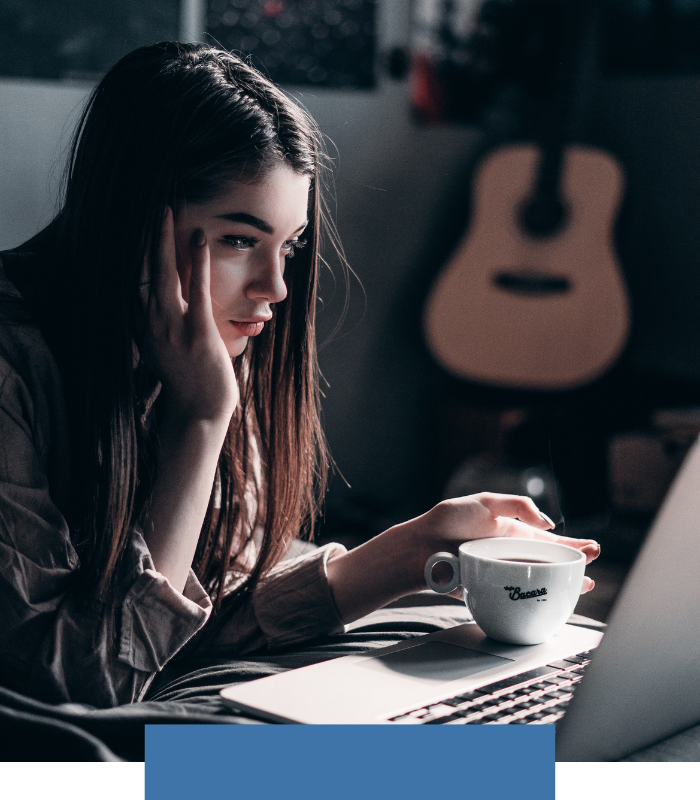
(315,42)
(538,482)
(648,37)
(643,463)
(79,39)
(466,51)
(403,429)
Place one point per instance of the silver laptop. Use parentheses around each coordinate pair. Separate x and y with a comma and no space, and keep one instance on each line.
(639,686)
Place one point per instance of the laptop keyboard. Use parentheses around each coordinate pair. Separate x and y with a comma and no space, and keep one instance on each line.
(537,697)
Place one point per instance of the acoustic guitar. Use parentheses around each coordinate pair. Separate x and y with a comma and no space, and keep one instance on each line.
(533,296)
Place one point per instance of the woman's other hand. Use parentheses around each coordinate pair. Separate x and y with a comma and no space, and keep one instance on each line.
(391,565)
(487,515)
(183,346)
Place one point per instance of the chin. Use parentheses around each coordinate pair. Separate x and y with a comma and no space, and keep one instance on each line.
(237,346)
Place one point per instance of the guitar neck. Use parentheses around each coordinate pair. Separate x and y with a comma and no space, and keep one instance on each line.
(577,57)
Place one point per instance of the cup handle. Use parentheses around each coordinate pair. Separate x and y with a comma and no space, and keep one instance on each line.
(442,588)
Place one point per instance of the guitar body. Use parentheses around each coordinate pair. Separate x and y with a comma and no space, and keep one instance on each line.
(527,312)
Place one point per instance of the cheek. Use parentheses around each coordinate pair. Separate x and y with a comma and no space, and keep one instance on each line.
(228,301)
(225,288)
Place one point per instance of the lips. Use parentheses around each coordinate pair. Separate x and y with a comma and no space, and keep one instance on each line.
(248,328)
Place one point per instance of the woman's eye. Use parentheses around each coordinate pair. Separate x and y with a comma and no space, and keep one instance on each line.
(241,242)
(292,245)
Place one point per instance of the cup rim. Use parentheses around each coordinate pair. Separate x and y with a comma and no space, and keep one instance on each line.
(576,555)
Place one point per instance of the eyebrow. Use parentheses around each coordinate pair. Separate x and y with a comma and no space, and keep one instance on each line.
(255,222)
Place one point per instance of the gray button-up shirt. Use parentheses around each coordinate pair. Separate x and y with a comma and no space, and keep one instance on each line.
(47,646)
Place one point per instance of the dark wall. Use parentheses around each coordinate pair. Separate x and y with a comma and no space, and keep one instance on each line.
(402,195)
(653,126)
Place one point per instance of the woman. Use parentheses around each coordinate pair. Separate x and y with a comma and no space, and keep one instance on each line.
(159,404)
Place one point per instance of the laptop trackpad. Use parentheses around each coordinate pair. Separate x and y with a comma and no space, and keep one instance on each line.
(434,661)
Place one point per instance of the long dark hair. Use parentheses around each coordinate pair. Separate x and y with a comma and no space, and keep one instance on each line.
(168,125)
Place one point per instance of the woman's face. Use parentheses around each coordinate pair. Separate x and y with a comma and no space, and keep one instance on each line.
(252,229)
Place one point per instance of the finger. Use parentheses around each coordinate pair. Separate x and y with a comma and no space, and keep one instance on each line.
(199,308)
(506,526)
(513,527)
(511,505)
(589,547)
(588,584)
(167,281)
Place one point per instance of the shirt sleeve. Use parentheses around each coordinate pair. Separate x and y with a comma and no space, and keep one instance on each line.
(293,603)
(50,647)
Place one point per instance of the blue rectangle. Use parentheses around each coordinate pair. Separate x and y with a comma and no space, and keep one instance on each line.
(349,761)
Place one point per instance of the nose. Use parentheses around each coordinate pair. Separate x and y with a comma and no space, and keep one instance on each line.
(267,282)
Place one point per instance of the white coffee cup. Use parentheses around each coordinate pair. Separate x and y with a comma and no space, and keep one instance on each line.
(512,595)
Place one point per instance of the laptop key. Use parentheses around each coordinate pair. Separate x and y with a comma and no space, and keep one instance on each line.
(482,706)
(578,659)
(539,672)
(461,698)
(527,690)
(500,713)
(572,676)
(554,692)
(442,720)
(467,707)
(557,679)
(438,711)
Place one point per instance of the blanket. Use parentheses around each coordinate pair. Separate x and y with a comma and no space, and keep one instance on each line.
(187,690)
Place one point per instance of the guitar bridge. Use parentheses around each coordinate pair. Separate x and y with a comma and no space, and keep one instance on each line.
(532,283)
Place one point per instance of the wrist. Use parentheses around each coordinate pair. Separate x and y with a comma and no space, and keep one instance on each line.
(413,545)
(419,538)
(185,412)
(192,441)
(180,425)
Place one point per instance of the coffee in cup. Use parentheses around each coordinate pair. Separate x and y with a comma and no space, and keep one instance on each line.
(519,591)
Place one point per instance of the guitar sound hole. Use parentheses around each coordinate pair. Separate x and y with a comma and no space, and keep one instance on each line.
(543,216)
(532,283)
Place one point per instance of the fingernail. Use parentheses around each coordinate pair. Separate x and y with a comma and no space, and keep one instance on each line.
(199,239)
(547,519)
